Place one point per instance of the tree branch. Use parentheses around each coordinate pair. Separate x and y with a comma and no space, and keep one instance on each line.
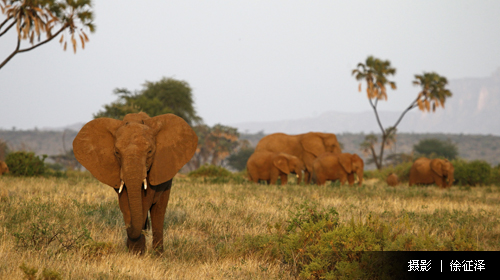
(376,115)
(46,41)
(5,21)
(8,28)
(412,105)
(12,54)
(375,157)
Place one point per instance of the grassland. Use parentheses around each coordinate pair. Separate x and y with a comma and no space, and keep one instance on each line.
(72,228)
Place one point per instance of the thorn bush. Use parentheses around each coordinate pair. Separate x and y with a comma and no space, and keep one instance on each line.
(25,164)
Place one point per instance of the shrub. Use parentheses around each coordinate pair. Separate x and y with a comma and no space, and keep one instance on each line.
(477,172)
(239,160)
(25,164)
(320,247)
(401,170)
(434,148)
(495,175)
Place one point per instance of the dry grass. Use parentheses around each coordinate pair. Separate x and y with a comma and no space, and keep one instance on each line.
(205,222)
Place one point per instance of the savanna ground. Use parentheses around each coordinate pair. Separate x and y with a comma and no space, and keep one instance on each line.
(72,228)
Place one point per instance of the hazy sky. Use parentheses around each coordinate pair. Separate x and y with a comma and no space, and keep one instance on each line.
(249,60)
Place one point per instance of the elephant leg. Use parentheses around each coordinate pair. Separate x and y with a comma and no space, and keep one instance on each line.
(343,179)
(350,179)
(284,178)
(320,180)
(439,181)
(307,177)
(157,220)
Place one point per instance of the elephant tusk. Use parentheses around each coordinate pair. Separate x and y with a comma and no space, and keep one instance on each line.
(145,184)
(121,187)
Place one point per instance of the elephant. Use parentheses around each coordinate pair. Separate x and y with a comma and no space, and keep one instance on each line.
(138,157)
(428,171)
(330,166)
(3,168)
(269,166)
(392,180)
(307,147)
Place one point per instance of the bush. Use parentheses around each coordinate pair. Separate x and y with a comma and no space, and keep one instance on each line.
(401,170)
(435,148)
(25,164)
(495,176)
(239,160)
(477,172)
(207,170)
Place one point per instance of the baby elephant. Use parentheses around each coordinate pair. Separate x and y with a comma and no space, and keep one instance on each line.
(392,180)
(329,166)
(432,171)
(3,168)
(269,166)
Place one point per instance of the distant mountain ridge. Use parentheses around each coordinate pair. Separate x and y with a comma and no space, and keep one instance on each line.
(474,108)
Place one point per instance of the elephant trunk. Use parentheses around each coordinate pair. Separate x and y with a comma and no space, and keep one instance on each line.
(360,176)
(133,178)
(450,180)
(299,176)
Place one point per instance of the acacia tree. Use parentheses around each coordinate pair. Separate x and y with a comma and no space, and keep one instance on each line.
(156,98)
(432,95)
(40,21)
(214,144)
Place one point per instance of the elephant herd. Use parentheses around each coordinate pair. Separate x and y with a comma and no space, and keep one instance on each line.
(320,158)
(316,154)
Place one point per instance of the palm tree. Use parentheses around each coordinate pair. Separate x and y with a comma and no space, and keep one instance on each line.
(375,72)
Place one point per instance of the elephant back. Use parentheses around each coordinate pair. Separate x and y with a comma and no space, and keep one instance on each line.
(280,143)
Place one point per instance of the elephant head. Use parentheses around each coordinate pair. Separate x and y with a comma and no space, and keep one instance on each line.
(352,163)
(133,153)
(443,168)
(289,164)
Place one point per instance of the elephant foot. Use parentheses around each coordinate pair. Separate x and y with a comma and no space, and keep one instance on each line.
(137,246)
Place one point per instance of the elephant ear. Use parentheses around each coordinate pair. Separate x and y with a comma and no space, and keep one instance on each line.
(345,161)
(94,148)
(437,166)
(313,144)
(357,161)
(176,144)
(281,163)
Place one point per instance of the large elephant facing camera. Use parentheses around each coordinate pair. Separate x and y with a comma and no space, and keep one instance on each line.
(307,147)
(269,166)
(432,171)
(138,157)
(342,167)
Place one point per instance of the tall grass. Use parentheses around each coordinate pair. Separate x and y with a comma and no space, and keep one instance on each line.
(72,227)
